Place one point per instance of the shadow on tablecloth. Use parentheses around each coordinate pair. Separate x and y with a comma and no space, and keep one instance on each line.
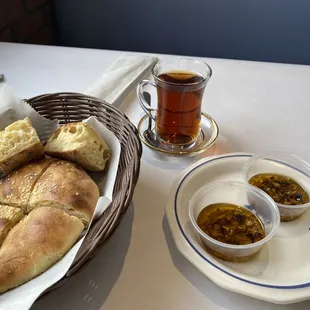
(91,286)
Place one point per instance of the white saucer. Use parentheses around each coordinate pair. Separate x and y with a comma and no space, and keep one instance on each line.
(280,273)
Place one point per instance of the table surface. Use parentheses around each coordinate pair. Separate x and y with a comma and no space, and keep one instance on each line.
(258,106)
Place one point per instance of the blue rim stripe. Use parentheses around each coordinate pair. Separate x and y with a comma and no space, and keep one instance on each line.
(304,285)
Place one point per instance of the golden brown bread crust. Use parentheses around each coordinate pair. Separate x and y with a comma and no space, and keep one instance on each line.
(15,188)
(88,142)
(9,217)
(73,156)
(67,186)
(18,160)
(35,244)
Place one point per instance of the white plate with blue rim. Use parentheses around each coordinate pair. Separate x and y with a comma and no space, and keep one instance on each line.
(279,273)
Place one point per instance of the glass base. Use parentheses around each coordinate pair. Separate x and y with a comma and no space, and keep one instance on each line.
(206,138)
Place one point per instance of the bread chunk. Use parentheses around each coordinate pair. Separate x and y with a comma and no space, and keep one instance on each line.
(79,143)
(19,144)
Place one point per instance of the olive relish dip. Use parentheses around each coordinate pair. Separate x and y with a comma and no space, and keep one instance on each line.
(229,223)
(280,188)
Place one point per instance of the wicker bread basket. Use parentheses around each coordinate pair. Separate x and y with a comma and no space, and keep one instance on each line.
(72,107)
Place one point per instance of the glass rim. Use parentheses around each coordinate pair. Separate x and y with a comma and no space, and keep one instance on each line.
(160,61)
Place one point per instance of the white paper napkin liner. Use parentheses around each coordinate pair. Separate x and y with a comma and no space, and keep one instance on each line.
(107,182)
(13,108)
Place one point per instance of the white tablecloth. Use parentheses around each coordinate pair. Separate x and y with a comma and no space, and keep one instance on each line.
(258,106)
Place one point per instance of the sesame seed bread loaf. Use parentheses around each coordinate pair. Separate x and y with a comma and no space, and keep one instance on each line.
(19,144)
(35,244)
(79,143)
(9,217)
(44,203)
(59,199)
(15,188)
(51,183)
(67,186)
